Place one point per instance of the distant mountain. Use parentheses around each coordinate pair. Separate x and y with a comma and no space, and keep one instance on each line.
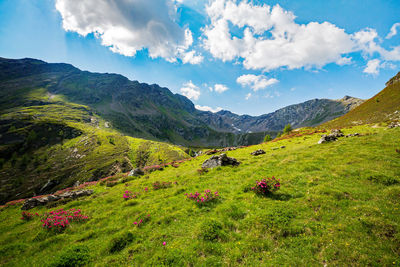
(309,113)
(151,111)
(384,106)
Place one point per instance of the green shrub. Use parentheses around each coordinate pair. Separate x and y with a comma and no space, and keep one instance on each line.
(120,242)
(211,230)
(267,138)
(77,255)
(287,129)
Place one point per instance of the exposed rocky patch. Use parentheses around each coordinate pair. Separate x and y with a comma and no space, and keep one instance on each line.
(333,136)
(258,152)
(394,125)
(136,172)
(220,160)
(41,201)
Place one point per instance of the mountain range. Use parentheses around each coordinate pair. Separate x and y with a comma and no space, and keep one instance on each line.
(154,112)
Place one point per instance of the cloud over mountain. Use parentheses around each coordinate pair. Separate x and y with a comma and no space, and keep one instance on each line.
(130,26)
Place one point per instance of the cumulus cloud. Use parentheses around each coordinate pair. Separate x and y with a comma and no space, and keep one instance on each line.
(190,90)
(373,67)
(268,38)
(393,31)
(207,108)
(219,88)
(130,26)
(248,96)
(256,82)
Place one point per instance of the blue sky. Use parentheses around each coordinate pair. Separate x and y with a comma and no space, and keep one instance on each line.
(249,57)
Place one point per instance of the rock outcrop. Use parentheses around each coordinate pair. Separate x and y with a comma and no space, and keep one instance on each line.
(333,136)
(258,152)
(136,172)
(41,201)
(220,160)
(394,125)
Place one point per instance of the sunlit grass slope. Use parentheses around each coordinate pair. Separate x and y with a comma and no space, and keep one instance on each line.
(338,205)
(379,108)
(51,139)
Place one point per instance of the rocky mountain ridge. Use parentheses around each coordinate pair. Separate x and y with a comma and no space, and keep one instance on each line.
(154,112)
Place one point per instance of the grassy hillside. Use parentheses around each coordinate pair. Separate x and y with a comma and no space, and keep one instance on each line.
(338,205)
(381,107)
(45,139)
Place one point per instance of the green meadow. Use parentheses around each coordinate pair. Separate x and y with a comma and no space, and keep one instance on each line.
(338,205)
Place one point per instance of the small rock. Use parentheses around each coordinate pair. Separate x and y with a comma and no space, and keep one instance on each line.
(275,148)
(136,172)
(283,146)
(354,134)
(219,160)
(258,152)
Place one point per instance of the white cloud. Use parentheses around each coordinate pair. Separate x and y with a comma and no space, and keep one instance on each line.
(268,38)
(130,26)
(373,67)
(190,90)
(256,82)
(207,108)
(271,39)
(393,31)
(220,88)
(248,96)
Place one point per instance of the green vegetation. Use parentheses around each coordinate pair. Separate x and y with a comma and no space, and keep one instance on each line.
(287,129)
(59,143)
(267,138)
(338,204)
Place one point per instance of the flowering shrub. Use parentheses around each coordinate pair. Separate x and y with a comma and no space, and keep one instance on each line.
(206,198)
(129,195)
(142,220)
(161,185)
(27,216)
(266,186)
(60,219)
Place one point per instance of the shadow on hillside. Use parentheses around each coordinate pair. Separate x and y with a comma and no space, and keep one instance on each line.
(278,196)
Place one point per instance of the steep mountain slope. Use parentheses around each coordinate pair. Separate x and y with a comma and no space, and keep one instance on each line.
(338,205)
(385,106)
(153,112)
(309,113)
(47,143)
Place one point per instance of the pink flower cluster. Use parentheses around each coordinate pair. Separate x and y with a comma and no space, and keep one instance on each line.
(141,221)
(267,186)
(60,219)
(207,197)
(27,216)
(129,195)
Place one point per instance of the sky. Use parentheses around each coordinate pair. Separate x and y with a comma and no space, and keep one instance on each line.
(249,57)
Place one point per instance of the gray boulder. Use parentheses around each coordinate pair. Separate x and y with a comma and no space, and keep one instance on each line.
(333,136)
(258,152)
(30,203)
(136,172)
(220,160)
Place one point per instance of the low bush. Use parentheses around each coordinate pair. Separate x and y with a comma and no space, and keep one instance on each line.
(59,220)
(211,230)
(129,195)
(77,255)
(120,242)
(27,216)
(203,199)
(266,186)
(161,185)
